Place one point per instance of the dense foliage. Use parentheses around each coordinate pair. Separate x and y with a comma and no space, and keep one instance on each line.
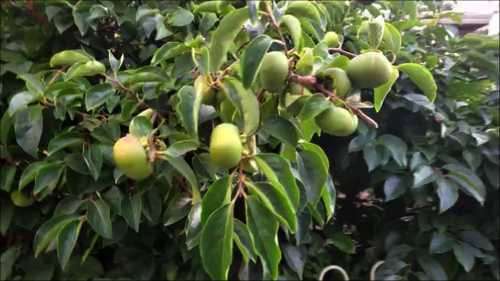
(182,140)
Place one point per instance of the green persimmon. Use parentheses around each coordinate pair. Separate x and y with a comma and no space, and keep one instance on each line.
(337,121)
(341,82)
(131,158)
(274,71)
(21,200)
(369,70)
(225,146)
(331,39)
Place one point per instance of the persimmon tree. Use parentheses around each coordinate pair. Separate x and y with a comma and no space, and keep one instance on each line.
(186,132)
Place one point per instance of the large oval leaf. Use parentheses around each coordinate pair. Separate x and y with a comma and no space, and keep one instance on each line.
(246,103)
(251,58)
(216,244)
(422,77)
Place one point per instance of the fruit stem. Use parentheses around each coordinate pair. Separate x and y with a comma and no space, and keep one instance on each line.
(343,52)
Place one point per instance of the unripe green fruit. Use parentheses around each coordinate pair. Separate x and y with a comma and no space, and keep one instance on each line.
(202,87)
(331,39)
(369,70)
(341,82)
(274,71)
(337,121)
(131,158)
(21,200)
(225,146)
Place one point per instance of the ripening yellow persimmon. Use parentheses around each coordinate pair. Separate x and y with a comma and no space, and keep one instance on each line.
(131,158)
(274,71)
(369,70)
(337,121)
(225,145)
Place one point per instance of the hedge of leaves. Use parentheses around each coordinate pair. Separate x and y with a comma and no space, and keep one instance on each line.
(419,192)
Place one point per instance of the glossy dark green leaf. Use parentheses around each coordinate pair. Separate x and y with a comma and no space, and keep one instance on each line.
(98,216)
(8,260)
(465,255)
(185,170)
(329,198)
(251,58)
(188,109)
(467,180)
(182,147)
(64,140)
(177,209)
(282,129)
(278,172)
(440,243)
(131,207)
(97,96)
(216,244)
(394,187)
(277,201)
(263,228)
(20,101)
(180,17)
(66,241)
(245,102)
(342,241)
(244,241)
(423,175)
(49,230)
(447,192)
(92,155)
(29,127)
(7,174)
(475,238)
(432,268)
(313,173)
(6,216)
(140,127)
(396,146)
(217,195)
(194,227)
(47,179)
(295,258)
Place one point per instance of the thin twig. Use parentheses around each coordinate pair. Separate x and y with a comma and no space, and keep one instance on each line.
(343,52)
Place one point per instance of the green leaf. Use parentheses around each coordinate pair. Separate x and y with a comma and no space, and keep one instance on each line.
(375,32)
(97,95)
(224,35)
(295,257)
(246,103)
(63,140)
(394,187)
(243,241)
(276,200)
(422,77)
(131,207)
(278,171)
(7,261)
(381,91)
(168,51)
(304,9)
(339,61)
(440,243)
(391,39)
(20,101)
(29,127)
(476,239)
(313,107)
(329,197)
(98,216)
(313,171)
(5,126)
(92,155)
(188,109)
(185,170)
(6,216)
(292,25)
(264,233)
(217,195)
(29,174)
(182,147)
(467,180)
(343,242)
(180,17)
(47,179)
(140,127)
(7,174)
(49,230)
(465,255)
(282,129)
(423,175)
(80,14)
(432,268)
(177,209)
(447,192)
(66,241)
(251,58)
(216,244)
(396,146)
